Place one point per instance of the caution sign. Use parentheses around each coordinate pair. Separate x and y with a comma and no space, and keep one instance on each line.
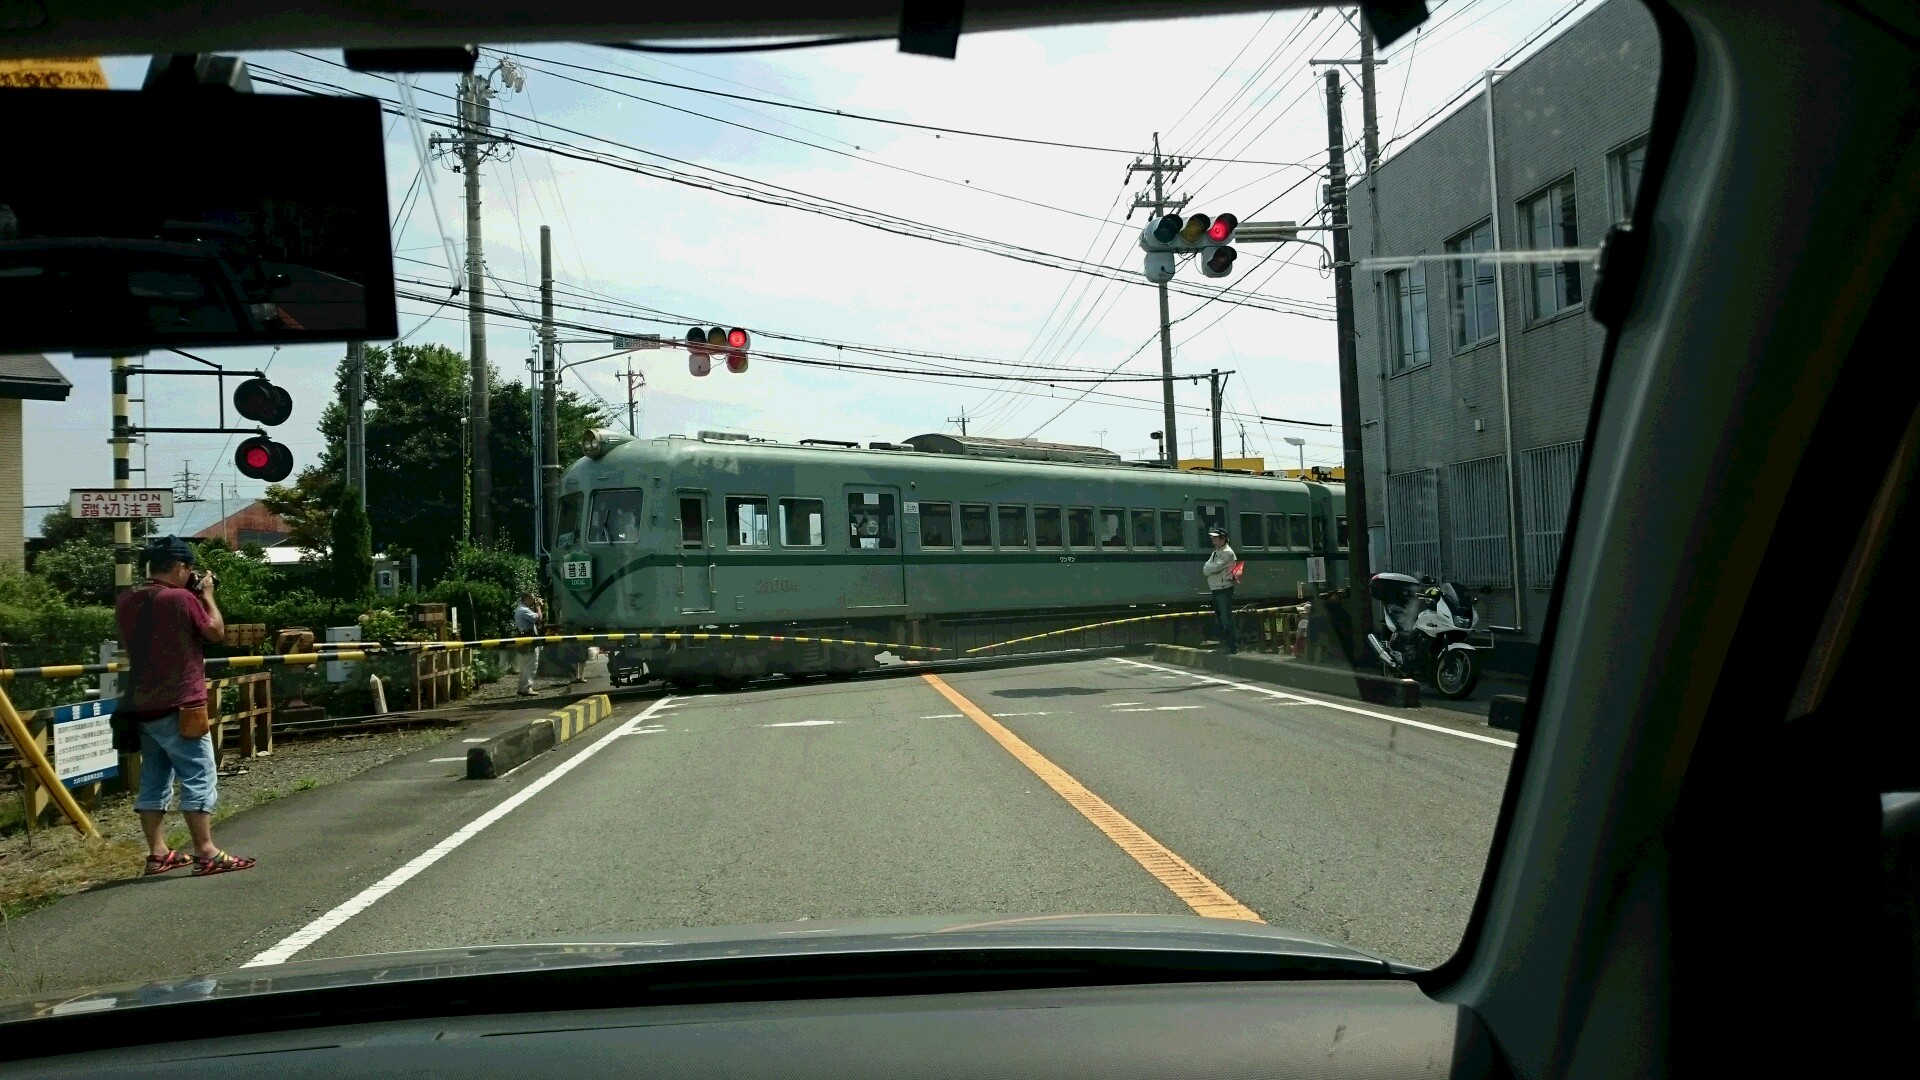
(66,73)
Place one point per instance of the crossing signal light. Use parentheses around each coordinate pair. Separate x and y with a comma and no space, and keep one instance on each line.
(260,458)
(705,343)
(262,402)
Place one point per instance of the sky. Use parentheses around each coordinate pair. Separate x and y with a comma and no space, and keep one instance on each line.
(649,252)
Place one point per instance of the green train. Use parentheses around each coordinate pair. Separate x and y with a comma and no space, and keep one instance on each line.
(940,541)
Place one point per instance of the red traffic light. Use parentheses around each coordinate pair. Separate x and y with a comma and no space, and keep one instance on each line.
(262,402)
(260,458)
(736,338)
(1222,228)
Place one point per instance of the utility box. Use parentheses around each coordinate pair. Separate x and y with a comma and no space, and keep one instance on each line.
(386,578)
(341,671)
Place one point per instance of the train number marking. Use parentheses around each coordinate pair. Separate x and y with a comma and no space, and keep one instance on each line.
(1066,558)
(776,585)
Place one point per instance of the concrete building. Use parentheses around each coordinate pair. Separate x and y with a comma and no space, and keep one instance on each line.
(1567,144)
(23,377)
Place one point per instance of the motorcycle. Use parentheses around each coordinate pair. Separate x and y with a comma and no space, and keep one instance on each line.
(1427,623)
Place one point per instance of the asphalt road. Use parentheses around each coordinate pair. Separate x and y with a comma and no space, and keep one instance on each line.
(1101,786)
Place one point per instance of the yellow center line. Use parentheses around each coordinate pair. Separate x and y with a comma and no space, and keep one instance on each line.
(1194,888)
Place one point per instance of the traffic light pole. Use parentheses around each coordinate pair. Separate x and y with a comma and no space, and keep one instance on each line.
(357,419)
(1216,384)
(479,460)
(549,400)
(1161,169)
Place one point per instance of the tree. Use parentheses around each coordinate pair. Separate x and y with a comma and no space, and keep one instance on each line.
(81,569)
(416,453)
(307,506)
(352,549)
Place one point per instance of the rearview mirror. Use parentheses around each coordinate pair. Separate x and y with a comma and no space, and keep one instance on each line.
(154,219)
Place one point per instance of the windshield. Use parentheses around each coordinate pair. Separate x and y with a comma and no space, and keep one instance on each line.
(903,374)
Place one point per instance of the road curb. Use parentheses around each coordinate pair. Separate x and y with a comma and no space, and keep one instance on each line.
(1373,689)
(511,749)
(1505,711)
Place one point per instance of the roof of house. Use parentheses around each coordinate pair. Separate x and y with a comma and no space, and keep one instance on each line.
(31,376)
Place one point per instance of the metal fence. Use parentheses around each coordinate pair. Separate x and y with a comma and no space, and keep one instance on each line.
(1546,498)
(1477,521)
(1413,521)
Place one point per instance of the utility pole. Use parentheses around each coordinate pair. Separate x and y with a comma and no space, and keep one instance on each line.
(1370,116)
(1216,384)
(1162,170)
(122,479)
(961,420)
(1359,606)
(634,380)
(184,484)
(356,390)
(473,92)
(549,400)
(1243,438)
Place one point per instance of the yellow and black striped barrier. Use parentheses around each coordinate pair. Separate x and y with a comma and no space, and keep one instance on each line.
(580,716)
(1208,612)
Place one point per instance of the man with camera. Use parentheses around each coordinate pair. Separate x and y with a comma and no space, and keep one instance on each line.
(166,623)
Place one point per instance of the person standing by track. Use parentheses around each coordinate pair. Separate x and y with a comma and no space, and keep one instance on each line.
(1219,574)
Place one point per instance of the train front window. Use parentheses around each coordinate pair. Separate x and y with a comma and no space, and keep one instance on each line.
(569,522)
(976,525)
(616,517)
(1047,527)
(873,523)
(1013,527)
(1080,527)
(747,521)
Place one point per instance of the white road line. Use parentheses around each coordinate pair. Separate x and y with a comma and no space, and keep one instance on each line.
(942,716)
(1117,704)
(803,723)
(1163,708)
(474,740)
(440,759)
(1003,715)
(365,899)
(1329,704)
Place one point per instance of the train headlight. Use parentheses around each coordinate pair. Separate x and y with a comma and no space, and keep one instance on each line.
(600,440)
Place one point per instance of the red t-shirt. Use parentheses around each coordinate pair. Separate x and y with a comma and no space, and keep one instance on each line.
(169,662)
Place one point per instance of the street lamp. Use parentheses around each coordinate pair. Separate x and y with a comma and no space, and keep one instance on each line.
(1159,447)
(1300,445)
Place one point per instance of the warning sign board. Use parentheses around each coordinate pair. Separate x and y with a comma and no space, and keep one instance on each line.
(107,503)
(64,73)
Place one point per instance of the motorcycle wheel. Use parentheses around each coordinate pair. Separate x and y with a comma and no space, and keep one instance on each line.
(1455,673)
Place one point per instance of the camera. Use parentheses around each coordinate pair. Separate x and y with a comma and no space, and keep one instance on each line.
(194,580)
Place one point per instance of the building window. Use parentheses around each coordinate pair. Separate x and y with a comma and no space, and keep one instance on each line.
(1142,529)
(1547,221)
(1046,527)
(936,525)
(747,521)
(1080,527)
(616,516)
(1546,497)
(1474,309)
(1413,510)
(1477,518)
(976,525)
(1624,167)
(1407,326)
(803,523)
(1172,530)
(1013,526)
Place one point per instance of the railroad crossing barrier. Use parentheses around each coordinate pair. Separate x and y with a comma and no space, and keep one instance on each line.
(1286,616)
(509,750)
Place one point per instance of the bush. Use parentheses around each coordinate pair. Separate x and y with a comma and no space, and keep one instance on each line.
(499,565)
(485,607)
(82,570)
(39,627)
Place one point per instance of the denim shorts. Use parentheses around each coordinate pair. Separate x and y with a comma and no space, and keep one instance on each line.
(164,755)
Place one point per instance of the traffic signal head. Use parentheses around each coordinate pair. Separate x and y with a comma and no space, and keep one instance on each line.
(737,339)
(1222,228)
(262,402)
(1217,261)
(260,458)
(1195,229)
(736,362)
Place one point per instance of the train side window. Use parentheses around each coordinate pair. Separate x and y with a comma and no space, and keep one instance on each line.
(1113,528)
(1211,516)
(1080,527)
(976,525)
(747,521)
(1013,527)
(1172,530)
(1047,527)
(1297,532)
(1143,530)
(936,525)
(1252,530)
(615,518)
(1319,533)
(803,523)
(872,521)
(1276,530)
(1340,532)
(693,527)
(569,523)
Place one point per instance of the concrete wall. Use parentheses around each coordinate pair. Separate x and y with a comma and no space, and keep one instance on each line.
(13,542)
(1559,114)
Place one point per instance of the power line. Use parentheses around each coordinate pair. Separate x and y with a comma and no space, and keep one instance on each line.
(772,46)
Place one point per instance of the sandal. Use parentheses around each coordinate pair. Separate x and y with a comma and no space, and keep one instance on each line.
(160,864)
(220,863)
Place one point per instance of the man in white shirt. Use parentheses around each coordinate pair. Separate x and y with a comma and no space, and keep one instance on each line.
(526,623)
(1219,574)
